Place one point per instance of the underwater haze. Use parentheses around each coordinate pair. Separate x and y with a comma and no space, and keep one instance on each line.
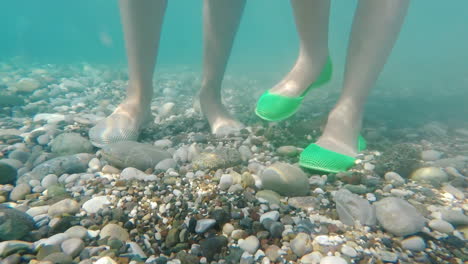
(185,177)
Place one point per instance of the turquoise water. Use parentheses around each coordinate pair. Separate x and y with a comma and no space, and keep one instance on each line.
(435,34)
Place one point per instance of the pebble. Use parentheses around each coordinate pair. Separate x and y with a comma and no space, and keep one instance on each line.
(454,191)
(304,202)
(388,256)
(288,151)
(414,243)
(432,175)
(8,173)
(311,258)
(115,231)
(94,164)
(20,191)
(285,179)
(454,217)
(162,143)
(398,216)
(348,251)
(352,207)
(394,178)
(250,244)
(95,204)
(430,155)
(49,180)
(225,182)
(65,206)
(110,169)
(59,258)
(272,252)
(441,226)
(70,143)
(12,246)
(72,246)
(227,229)
(77,232)
(273,215)
(105,260)
(203,225)
(269,196)
(14,224)
(333,260)
(38,210)
(166,164)
(301,244)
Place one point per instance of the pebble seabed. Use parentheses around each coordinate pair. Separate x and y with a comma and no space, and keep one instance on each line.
(204,200)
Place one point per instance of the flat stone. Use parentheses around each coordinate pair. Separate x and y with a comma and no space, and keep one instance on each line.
(116,231)
(166,164)
(430,155)
(250,244)
(303,202)
(65,206)
(301,244)
(77,232)
(432,175)
(455,217)
(20,191)
(49,180)
(398,216)
(352,207)
(14,224)
(289,151)
(12,246)
(454,191)
(133,154)
(220,158)
(72,246)
(203,225)
(333,260)
(441,226)
(414,243)
(59,258)
(285,179)
(70,143)
(95,204)
(8,173)
(273,215)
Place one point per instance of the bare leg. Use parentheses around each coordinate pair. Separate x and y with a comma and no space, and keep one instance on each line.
(142,21)
(221,21)
(375,29)
(312,25)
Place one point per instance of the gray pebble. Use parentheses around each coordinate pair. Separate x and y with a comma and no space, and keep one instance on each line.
(398,216)
(20,191)
(203,225)
(414,243)
(72,246)
(67,206)
(165,164)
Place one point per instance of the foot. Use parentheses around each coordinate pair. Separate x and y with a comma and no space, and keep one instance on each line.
(301,76)
(125,123)
(222,123)
(342,130)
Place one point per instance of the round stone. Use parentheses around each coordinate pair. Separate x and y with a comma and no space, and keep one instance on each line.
(285,179)
(333,260)
(225,182)
(301,244)
(430,155)
(203,225)
(414,243)
(95,204)
(441,226)
(71,143)
(114,230)
(49,180)
(250,244)
(398,216)
(432,175)
(65,206)
(348,251)
(20,191)
(72,246)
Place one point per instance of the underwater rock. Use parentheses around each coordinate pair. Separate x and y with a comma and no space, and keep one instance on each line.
(20,191)
(133,154)
(65,206)
(66,164)
(414,243)
(400,158)
(398,216)
(288,151)
(352,207)
(213,245)
(8,173)
(14,224)
(430,155)
(26,85)
(301,244)
(71,143)
(49,118)
(220,158)
(454,217)
(115,231)
(268,195)
(304,202)
(95,204)
(432,175)
(285,179)
(9,247)
(250,244)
